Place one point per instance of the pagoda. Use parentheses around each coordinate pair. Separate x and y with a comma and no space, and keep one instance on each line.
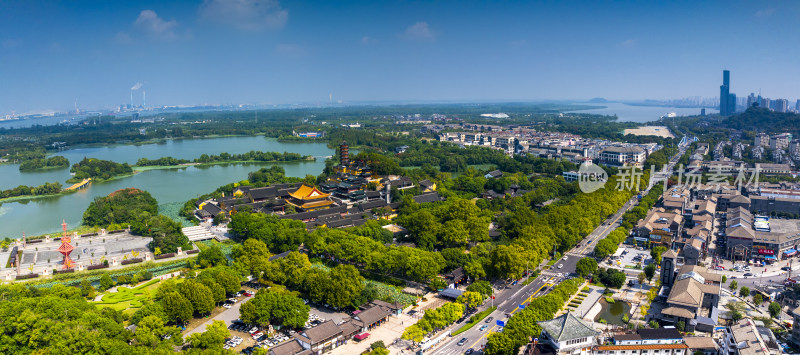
(66,248)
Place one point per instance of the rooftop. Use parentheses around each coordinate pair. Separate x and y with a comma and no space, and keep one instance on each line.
(568,327)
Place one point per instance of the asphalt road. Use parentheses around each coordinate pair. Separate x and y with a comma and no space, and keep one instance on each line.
(509,299)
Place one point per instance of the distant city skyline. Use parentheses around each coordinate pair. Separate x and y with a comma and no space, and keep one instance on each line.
(90,54)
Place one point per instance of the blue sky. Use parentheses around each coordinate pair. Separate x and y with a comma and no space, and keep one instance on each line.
(269,51)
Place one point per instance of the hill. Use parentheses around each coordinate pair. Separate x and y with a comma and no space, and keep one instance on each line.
(763,120)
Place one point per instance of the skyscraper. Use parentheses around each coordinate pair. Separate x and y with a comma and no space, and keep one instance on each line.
(724,93)
(797,106)
(727,100)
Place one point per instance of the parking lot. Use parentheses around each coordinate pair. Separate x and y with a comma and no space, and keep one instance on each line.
(633,256)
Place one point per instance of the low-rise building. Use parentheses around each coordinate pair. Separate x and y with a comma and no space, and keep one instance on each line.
(623,155)
(744,338)
(568,334)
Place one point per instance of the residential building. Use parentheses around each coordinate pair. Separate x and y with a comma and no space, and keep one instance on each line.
(780,141)
(762,140)
(693,294)
(660,227)
(623,155)
(743,338)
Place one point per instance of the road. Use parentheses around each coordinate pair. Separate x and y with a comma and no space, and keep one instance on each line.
(509,299)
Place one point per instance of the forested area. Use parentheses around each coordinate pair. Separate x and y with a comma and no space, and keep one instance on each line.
(761,119)
(98,169)
(54,162)
(225,157)
(48,188)
(59,320)
(139,210)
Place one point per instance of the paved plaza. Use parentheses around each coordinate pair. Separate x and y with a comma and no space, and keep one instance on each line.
(88,250)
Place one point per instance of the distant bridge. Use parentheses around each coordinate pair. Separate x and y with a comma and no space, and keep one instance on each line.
(79,185)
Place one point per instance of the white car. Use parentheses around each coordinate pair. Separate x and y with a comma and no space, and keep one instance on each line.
(560,265)
(564,258)
(227,305)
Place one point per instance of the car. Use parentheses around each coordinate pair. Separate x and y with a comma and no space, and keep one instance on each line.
(718,267)
(565,257)
(248,294)
(748,274)
(253,330)
(484,327)
(786,268)
(462,341)
(560,265)
(233,300)
(227,305)
(489,319)
(469,351)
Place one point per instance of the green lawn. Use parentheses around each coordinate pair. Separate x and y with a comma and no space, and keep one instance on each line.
(127,298)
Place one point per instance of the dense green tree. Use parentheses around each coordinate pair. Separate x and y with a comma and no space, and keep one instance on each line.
(346,283)
(211,256)
(270,307)
(774,309)
(177,307)
(200,296)
(470,299)
(106,282)
(212,338)
(586,267)
(650,271)
(482,287)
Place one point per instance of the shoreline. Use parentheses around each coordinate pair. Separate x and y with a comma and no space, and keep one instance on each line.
(33,197)
(138,169)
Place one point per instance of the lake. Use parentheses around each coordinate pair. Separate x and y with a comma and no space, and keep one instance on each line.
(168,186)
(642,114)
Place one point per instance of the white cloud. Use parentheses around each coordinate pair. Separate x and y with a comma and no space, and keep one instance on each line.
(245,14)
(765,12)
(366,40)
(154,26)
(419,31)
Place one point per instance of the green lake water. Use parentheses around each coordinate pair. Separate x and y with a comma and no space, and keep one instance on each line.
(168,186)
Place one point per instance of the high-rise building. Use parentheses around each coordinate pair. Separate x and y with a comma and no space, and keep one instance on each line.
(724,90)
(765,102)
(782,105)
(751,99)
(797,106)
(731,104)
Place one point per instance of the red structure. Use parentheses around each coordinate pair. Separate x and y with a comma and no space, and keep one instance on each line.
(344,154)
(66,248)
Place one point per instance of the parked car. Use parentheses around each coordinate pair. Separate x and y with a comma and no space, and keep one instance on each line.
(560,265)
(786,268)
(748,274)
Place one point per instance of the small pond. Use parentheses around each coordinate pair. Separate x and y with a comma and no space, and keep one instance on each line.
(613,312)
